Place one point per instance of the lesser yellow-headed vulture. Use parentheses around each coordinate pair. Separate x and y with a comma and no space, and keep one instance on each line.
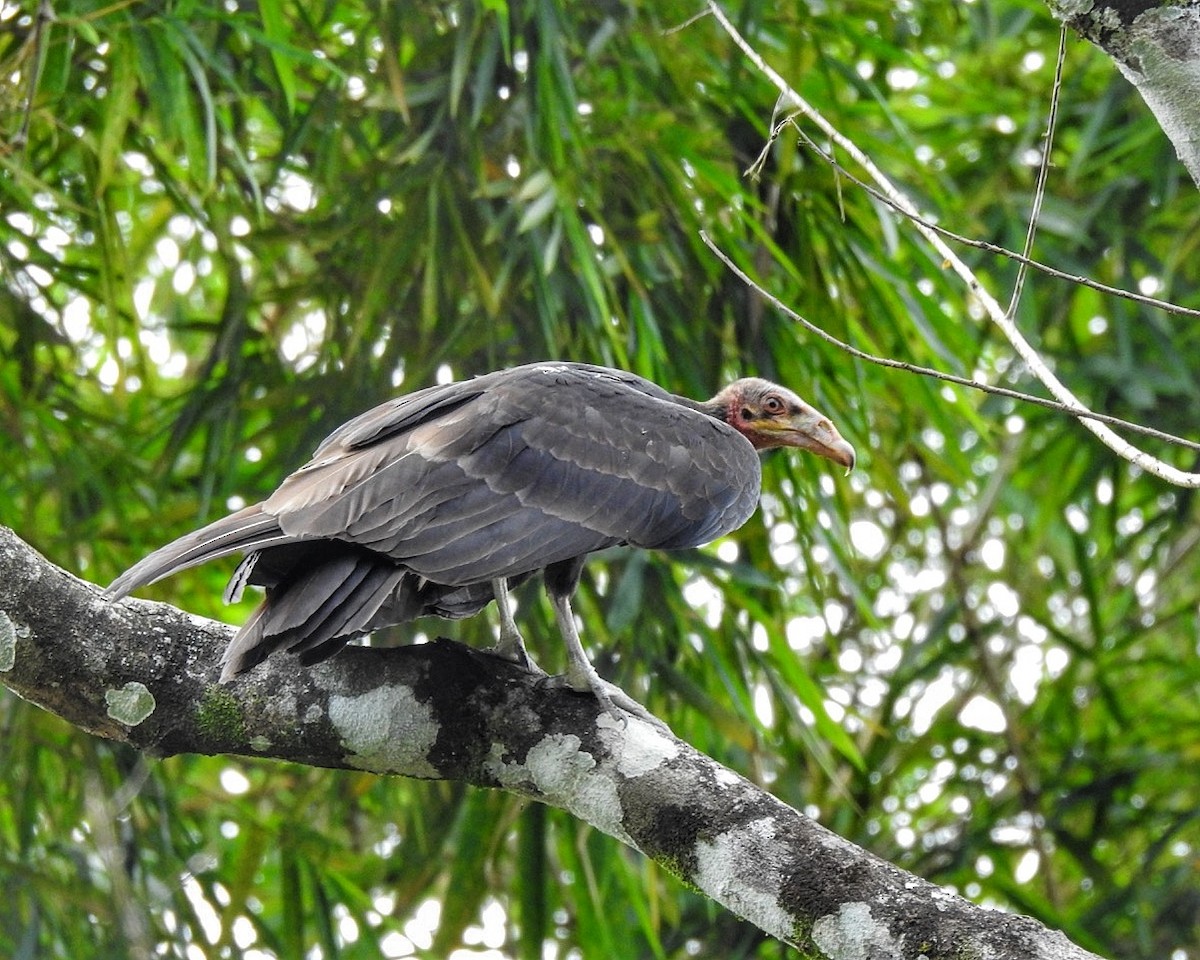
(435,502)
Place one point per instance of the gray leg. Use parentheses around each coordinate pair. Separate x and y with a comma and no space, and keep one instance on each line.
(581,675)
(511,644)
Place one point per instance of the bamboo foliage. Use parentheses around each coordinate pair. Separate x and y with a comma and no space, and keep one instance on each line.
(230,227)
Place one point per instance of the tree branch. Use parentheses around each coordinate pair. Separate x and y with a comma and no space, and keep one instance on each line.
(145,674)
(1155,46)
(928,371)
(1033,360)
(39,43)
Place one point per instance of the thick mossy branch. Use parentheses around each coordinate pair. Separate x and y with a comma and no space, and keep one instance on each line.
(146,674)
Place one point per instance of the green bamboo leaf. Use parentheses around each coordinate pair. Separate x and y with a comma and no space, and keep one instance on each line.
(86,30)
(532,877)
(538,211)
(536,184)
(275,28)
(322,913)
(551,247)
(475,839)
(500,9)
(293,916)
(464,54)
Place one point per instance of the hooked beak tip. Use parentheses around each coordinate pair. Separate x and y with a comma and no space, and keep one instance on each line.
(843,453)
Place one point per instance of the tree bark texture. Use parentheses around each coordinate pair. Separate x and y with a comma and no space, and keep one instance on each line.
(1157,47)
(146,674)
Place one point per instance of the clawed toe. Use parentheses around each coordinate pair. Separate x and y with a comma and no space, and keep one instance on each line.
(616,702)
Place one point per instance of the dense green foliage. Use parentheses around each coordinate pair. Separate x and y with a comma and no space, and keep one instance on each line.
(235,225)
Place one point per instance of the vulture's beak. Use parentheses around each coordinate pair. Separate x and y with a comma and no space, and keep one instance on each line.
(811,430)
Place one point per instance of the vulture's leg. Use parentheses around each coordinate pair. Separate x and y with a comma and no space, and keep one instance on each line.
(511,645)
(561,580)
(581,675)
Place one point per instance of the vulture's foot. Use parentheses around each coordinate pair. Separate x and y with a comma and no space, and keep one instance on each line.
(616,702)
(581,675)
(585,679)
(515,653)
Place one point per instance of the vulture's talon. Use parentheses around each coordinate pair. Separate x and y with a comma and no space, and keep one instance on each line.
(615,701)
(520,656)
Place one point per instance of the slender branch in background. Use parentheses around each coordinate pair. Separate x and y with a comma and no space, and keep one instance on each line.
(1024,349)
(1039,193)
(1164,305)
(929,371)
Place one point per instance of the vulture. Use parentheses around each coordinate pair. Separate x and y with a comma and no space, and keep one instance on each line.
(439,501)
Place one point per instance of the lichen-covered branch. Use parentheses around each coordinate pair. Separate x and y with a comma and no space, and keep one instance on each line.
(145,674)
(1157,47)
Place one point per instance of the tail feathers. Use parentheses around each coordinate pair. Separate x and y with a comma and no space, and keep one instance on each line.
(241,576)
(318,612)
(349,617)
(246,650)
(246,530)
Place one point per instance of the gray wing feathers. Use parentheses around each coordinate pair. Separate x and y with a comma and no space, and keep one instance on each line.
(679,477)
(447,481)
(403,414)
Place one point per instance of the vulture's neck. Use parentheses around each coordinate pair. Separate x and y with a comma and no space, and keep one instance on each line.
(716,408)
(712,408)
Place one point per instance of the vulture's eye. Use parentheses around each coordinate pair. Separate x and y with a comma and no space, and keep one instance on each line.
(773,405)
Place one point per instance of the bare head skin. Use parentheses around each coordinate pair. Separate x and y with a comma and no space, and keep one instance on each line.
(771,416)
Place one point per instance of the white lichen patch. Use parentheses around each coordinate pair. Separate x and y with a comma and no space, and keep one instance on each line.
(130,705)
(727,778)
(281,707)
(566,776)
(853,934)
(386,730)
(639,746)
(1072,8)
(205,623)
(944,899)
(736,869)
(8,643)
(314,713)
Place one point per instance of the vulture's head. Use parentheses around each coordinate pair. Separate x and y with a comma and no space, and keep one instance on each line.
(771,416)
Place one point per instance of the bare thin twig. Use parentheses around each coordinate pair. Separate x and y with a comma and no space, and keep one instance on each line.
(1032,358)
(1165,305)
(686,23)
(1039,192)
(937,374)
